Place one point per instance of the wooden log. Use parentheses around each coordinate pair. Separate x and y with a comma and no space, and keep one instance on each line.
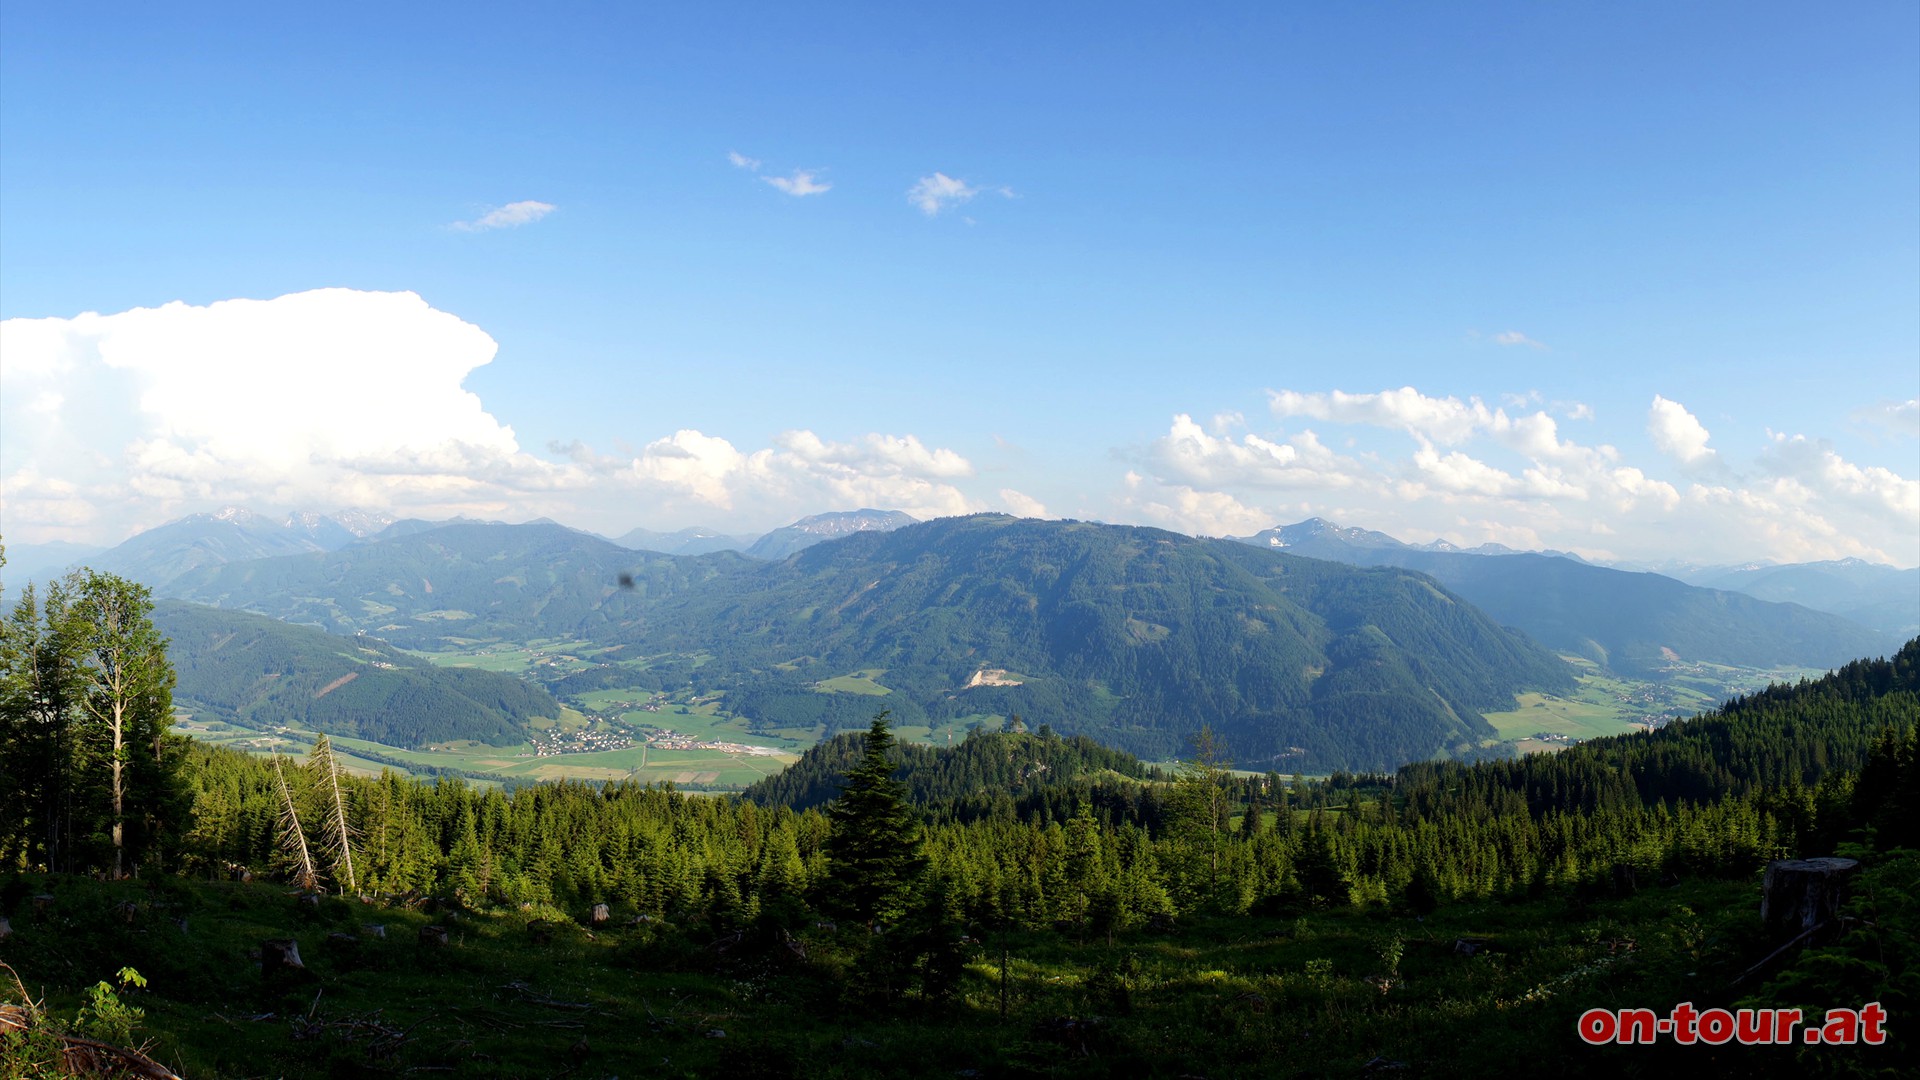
(281,955)
(378,930)
(43,901)
(1797,895)
(433,937)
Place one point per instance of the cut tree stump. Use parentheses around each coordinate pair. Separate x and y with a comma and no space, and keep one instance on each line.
(1798,895)
(601,914)
(6,928)
(433,936)
(280,955)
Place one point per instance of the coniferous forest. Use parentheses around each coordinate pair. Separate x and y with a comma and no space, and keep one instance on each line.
(1017,904)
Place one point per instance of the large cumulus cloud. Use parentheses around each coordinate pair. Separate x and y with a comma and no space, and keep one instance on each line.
(342,398)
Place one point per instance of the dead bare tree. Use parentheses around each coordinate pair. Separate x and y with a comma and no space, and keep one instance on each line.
(292,838)
(336,834)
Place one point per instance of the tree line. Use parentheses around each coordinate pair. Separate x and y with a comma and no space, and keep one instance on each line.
(91,777)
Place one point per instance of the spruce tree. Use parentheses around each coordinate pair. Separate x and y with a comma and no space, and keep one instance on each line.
(874,858)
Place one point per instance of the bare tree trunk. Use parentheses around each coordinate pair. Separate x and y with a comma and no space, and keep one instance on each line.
(119,786)
(291,834)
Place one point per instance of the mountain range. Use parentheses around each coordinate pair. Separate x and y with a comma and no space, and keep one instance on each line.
(1634,623)
(1133,636)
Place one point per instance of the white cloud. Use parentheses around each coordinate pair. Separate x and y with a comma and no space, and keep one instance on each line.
(803,182)
(330,397)
(1803,466)
(1556,492)
(1898,417)
(1020,504)
(1515,337)
(742,161)
(804,473)
(1678,434)
(510,216)
(1443,420)
(938,192)
(339,398)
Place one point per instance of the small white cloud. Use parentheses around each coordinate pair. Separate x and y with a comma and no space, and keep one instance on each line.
(742,161)
(1020,504)
(1678,434)
(1898,417)
(1579,410)
(511,216)
(1515,337)
(803,182)
(935,193)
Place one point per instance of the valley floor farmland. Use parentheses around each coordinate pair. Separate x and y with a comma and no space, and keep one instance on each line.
(1607,704)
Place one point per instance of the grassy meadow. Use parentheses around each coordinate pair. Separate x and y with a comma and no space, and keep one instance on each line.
(1327,993)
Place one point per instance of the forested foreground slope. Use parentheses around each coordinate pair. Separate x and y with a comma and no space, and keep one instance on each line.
(1226,926)
(1135,637)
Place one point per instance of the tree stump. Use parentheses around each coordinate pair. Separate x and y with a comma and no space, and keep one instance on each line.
(127,912)
(434,937)
(280,956)
(6,928)
(601,914)
(378,930)
(42,902)
(1799,894)
(541,931)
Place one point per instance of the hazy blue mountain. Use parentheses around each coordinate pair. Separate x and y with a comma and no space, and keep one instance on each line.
(42,562)
(1628,621)
(468,581)
(233,534)
(1883,597)
(166,551)
(1134,636)
(261,673)
(690,541)
(809,531)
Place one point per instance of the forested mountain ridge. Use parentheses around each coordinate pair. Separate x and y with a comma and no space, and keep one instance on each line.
(1133,636)
(982,769)
(1775,747)
(262,673)
(1634,623)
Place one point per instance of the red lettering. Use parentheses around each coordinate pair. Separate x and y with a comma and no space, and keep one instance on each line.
(1716,1026)
(1871,1017)
(1784,1021)
(1842,1026)
(1753,1026)
(1597,1026)
(1683,1019)
(1637,1026)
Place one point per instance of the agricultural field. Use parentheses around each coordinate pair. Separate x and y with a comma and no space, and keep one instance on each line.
(859,682)
(1605,704)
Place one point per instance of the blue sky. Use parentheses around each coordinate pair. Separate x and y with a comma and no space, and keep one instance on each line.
(1638,280)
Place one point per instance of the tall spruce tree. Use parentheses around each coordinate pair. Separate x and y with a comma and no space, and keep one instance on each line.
(874,857)
(127,703)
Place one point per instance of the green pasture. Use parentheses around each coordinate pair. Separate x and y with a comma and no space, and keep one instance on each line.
(860,682)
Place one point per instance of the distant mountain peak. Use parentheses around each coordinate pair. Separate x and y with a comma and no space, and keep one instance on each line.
(815,528)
